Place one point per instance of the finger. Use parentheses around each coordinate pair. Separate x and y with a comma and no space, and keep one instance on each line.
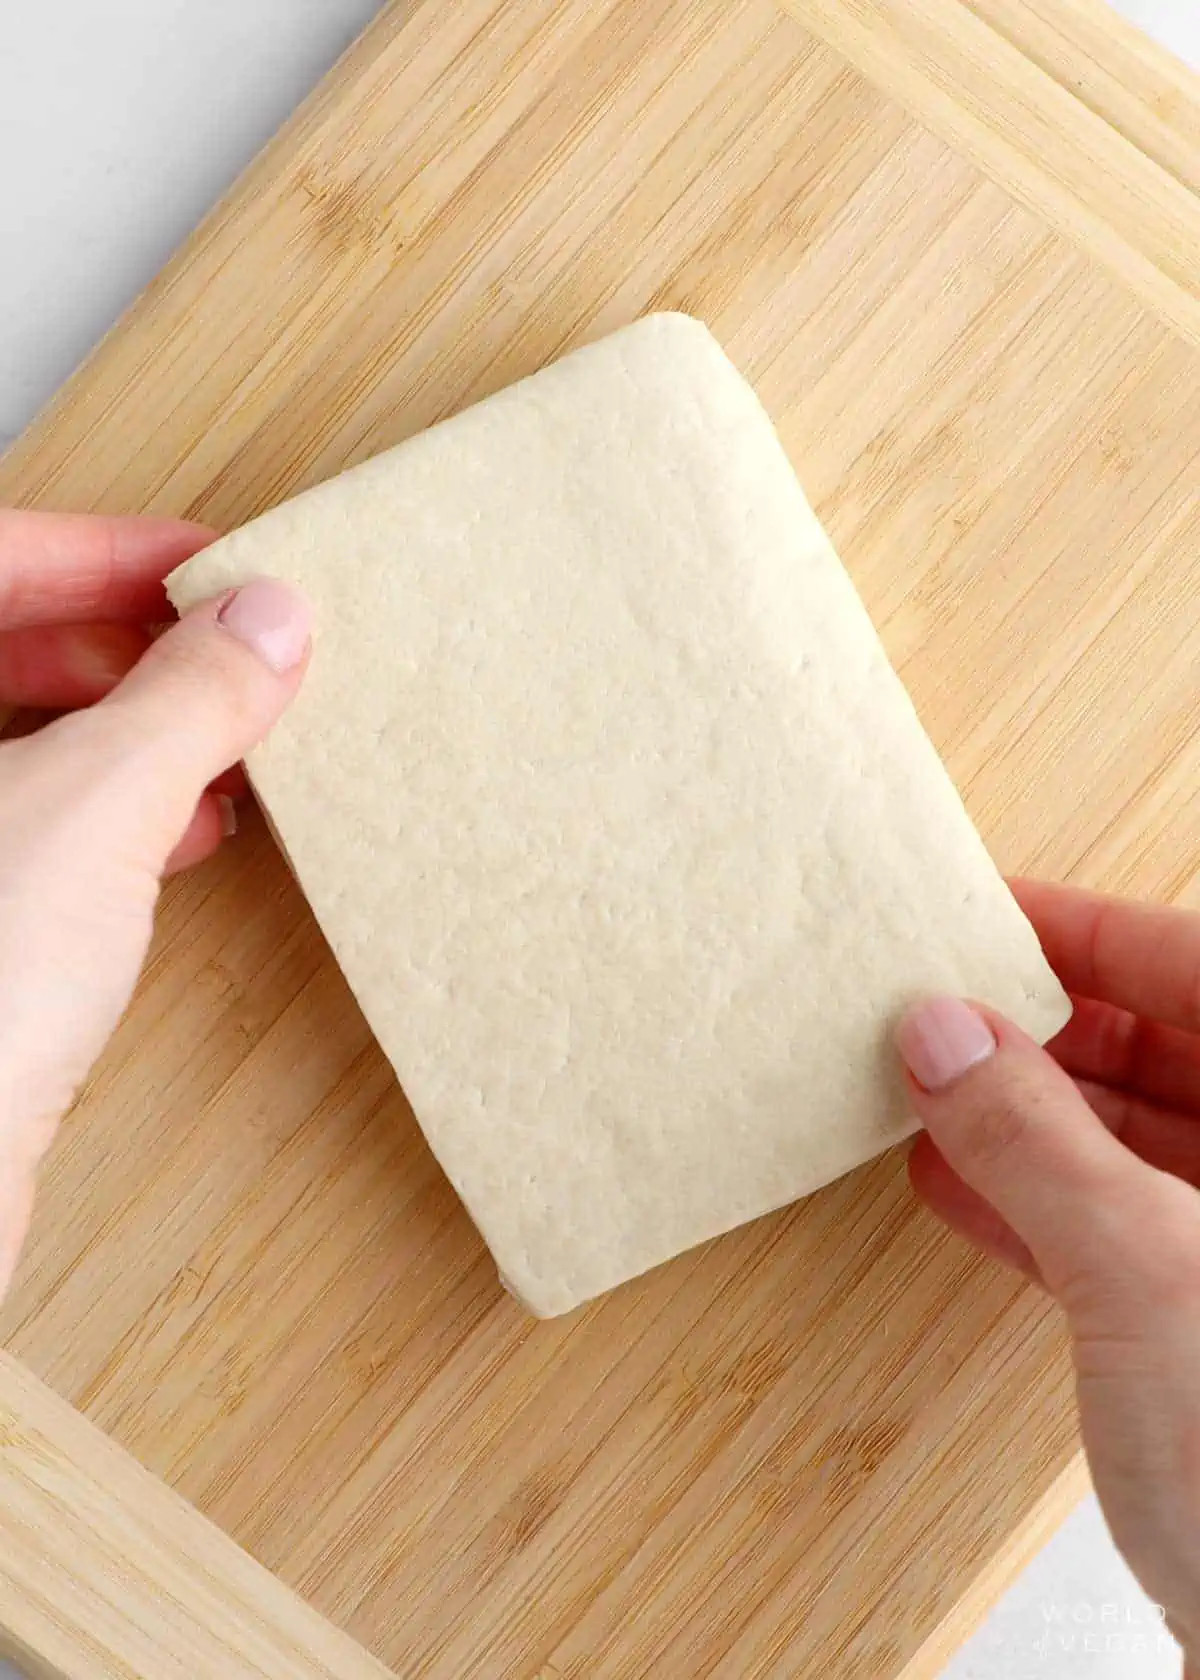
(1015,1129)
(964,1210)
(25,721)
(61,568)
(1131,1052)
(1141,957)
(214,820)
(205,693)
(1162,1137)
(65,665)
(232,784)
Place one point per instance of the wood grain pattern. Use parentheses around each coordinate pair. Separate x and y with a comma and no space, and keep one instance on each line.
(1019,1549)
(146,1585)
(1138,88)
(792,1452)
(1087,179)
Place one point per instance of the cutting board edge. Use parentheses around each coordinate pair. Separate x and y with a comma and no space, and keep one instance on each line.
(242,190)
(11,1380)
(896,71)
(136,1548)
(977,89)
(1041,1523)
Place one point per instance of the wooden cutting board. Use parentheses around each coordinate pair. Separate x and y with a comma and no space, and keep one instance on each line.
(956,248)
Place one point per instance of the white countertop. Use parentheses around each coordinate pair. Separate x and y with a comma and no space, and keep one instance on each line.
(121,122)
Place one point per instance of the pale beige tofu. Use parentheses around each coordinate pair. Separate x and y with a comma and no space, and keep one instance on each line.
(623,830)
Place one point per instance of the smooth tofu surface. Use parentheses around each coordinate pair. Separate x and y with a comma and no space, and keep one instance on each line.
(621,827)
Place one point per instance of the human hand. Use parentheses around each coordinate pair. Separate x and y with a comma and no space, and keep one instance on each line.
(1080,1167)
(99,804)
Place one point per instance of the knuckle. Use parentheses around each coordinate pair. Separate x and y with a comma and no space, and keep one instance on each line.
(204,665)
(212,685)
(998,1126)
(1011,1113)
(1162,1238)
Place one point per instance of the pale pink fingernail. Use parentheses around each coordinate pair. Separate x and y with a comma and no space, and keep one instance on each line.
(273,619)
(941,1039)
(228,815)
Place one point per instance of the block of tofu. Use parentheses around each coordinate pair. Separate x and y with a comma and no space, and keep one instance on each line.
(619,823)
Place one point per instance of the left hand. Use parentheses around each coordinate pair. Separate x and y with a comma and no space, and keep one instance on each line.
(99,804)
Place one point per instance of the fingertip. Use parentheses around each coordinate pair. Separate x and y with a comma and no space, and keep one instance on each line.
(142,534)
(205,693)
(942,1038)
(214,684)
(60,568)
(273,619)
(1026,1158)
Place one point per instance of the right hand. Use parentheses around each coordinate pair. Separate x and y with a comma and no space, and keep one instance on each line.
(1080,1167)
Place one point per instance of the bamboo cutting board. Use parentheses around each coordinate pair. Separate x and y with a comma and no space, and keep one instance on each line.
(956,248)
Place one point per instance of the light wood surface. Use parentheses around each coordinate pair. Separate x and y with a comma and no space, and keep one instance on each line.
(1018,1551)
(146,1585)
(792,1453)
(999,100)
(1139,88)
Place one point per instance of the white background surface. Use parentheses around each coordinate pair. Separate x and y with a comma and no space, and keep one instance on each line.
(121,121)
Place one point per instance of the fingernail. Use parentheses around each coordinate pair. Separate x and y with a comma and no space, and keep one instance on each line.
(101,655)
(228,815)
(941,1039)
(273,619)
(99,665)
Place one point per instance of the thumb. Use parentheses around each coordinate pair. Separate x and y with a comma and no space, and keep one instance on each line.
(199,699)
(1015,1129)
